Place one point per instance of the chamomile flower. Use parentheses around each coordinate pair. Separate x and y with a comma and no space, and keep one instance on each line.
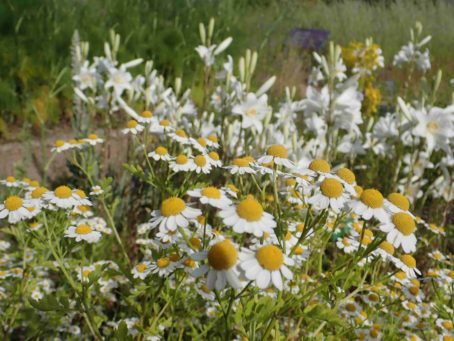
(201,164)
(60,146)
(211,196)
(146,117)
(173,214)
(162,127)
(83,232)
(96,190)
(163,267)
(160,153)
(319,166)
(445,325)
(386,251)
(82,198)
(212,141)
(62,197)
(278,154)
(222,259)
(248,216)
(141,270)
(397,203)
(214,159)
(266,266)
(331,194)
(347,245)
(370,204)
(15,208)
(93,140)
(182,163)
(400,231)
(437,255)
(84,272)
(408,265)
(132,127)
(242,165)
(180,136)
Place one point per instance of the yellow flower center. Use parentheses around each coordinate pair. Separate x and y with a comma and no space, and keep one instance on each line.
(298,250)
(59,143)
(83,208)
(200,160)
(81,193)
(92,137)
(86,273)
(411,305)
(414,291)
(34,183)
(404,223)
(141,267)
(63,192)
(190,263)
(222,255)
(300,227)
(172,206)
(331,188)
(146,114)
(447,325)
(174,257)
(433,126)
(251,112)
(195,243)
(83,229)
(161,151)
(358,190)
(213,138)
(202,142)
(387,247)
(132,124)
(401,275)
(372,198)
(38,192)
(400,201)
(13,203)
(181,159)
(201,219)
(346,174)
(270,257)
(241,162)
(163,262)
(350,307)
(290,182)
(346,242)
(250,209)
(181,133)
(288,236)
(211,192)
(277,150)
(164,123)
(409,261)
(10,179)
(373,297)
(214,156)
(205,289)
(320,166)
(233,188)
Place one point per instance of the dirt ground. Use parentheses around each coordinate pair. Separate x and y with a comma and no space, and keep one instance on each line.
(28,158)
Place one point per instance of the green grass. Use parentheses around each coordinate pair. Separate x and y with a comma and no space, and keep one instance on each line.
(35,38)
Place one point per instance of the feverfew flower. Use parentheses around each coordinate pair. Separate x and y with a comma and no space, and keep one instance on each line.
(15,208)
(83,232)
(173,214)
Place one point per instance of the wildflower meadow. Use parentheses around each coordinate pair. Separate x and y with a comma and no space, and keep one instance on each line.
(238,214)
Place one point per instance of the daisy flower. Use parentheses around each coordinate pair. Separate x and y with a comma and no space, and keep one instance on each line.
(386,251)
(62,197)
(163,267)
(397,203)
(408,265)
(201,164)
(84,272)
(400,231)
(437,255)
(278,154)
(141,270)
(346,175)
(319,166)
(211,196)
(332,194)
(180,136)
(248,216)
(347,245)
(182,163)
(132,127)
(214,159)
(160,153)
(83,232)
(163,126)
(222,259)
(96,190)
(370,204)
(10,181)
(266,265)
(172,214)
(82,198)
(15,208)
(60,146)
(146,117)
(242,166)
(212,141)
(93,140)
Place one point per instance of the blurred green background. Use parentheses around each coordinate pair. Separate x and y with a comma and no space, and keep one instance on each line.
(35,75)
